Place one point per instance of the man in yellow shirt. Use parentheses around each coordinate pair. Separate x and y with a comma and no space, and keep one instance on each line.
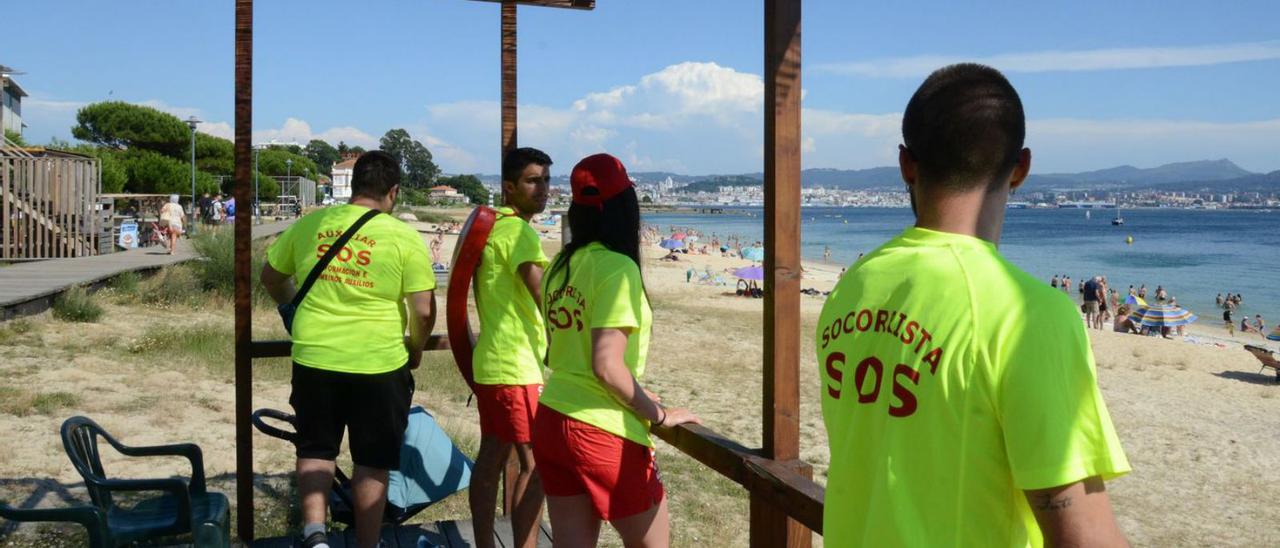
(509,351)
(959,393)
(351,357)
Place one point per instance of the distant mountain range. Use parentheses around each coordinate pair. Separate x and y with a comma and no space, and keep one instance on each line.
(1204,175)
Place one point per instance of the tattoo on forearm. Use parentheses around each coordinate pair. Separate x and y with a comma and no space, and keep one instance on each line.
(1047,503)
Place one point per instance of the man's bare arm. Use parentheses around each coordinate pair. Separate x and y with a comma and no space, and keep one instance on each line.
(279,286)
(531,275)
(1078,514)
(422,319)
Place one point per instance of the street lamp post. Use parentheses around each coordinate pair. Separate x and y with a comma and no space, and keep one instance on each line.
(256,217)
(288,172)
(192,122)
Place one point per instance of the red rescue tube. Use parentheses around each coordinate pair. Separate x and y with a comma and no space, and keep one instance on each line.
(466,258)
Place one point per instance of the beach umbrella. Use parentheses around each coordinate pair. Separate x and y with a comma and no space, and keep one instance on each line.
(678,236)
(671,244)
(1162,315)
(1135,300)
(753,254)
(750,273)
(1274,335)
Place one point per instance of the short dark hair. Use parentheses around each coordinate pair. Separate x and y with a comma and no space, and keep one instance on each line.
(514,162)
(374,175)
(964,127)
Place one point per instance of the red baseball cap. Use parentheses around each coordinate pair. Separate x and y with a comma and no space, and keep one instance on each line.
(597,178)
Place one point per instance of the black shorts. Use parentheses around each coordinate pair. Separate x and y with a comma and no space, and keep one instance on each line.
(375,408)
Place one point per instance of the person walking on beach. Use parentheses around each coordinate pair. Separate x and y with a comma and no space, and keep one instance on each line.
(510,349)
(1092,311)
(826,253)
(351,360)
(924,351)
(591,435)
(171,218)
(1226,318)
(1054,282)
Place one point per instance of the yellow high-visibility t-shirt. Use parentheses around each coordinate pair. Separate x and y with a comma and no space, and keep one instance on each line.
(354,318)
(512,337)
(604,289)
(951,382)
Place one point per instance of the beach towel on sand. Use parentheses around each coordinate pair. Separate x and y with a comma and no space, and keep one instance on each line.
(431,466)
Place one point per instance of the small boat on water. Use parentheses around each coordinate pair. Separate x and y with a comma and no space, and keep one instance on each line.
(1118,220)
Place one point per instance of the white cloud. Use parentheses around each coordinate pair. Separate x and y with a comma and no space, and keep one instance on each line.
(1067,61)
(35,103)
(299,131)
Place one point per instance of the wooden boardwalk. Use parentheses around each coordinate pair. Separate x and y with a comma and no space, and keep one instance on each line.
(450,534)
(30,287)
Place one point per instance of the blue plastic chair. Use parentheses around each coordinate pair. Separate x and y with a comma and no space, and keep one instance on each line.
(184,506)
(91,518)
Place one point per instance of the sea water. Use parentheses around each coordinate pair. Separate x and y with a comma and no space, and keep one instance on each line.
(1194,254)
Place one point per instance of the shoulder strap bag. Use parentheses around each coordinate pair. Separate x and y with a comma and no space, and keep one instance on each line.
(287,310)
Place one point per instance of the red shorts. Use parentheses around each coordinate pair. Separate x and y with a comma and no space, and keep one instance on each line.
(576,458)
(507,410)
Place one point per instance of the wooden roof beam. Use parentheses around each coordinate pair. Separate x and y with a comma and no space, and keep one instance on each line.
(571,4)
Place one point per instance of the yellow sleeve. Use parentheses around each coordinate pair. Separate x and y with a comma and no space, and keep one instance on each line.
(618,296)
(1056,426)
(417,274)
(280,254)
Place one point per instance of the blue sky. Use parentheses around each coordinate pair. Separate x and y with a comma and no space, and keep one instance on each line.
(671,84)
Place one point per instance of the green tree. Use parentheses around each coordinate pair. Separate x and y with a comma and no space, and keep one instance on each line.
(213,154)
(116,124)
(469,186)
(15,137)
(344,149)
(323,154)
(154,173)
(415,159)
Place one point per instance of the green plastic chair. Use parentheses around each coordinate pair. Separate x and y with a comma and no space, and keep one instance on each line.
(91,518)
(184,506)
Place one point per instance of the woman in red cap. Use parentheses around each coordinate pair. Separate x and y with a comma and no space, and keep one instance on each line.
(591,434)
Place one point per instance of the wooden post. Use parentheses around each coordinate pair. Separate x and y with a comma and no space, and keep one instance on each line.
(508,52)
(770,525)
(508,45)
(243,327)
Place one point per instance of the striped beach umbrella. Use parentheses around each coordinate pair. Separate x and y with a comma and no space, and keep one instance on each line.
(1134,300)
(671,244)
(1162,315)
(1274,335)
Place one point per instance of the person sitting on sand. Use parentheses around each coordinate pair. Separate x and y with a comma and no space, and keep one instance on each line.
(1244,325)
(1124,323)
(949,421)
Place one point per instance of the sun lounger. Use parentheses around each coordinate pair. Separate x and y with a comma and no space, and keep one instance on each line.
(1267,357)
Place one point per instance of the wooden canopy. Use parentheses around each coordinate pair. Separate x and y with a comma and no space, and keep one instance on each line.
(785,503)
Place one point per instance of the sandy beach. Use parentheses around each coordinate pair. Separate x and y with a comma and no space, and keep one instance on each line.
(1196,419)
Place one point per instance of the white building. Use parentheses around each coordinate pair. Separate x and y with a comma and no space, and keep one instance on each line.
(342,178)
(11,95)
